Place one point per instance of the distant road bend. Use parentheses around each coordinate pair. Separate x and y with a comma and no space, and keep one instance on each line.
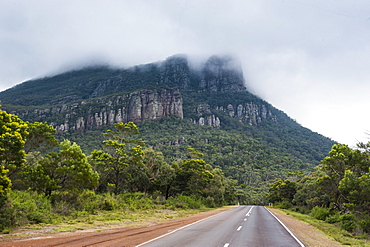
(241,226)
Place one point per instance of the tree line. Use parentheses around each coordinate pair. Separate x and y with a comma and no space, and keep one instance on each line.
(337,192)
(34,161)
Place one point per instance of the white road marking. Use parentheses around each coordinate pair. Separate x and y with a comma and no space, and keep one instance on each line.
(286,228)
(250,211)
(166,234)
(240,227)
(245,219)
(226,245)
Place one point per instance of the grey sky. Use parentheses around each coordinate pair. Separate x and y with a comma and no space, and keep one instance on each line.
(309,58)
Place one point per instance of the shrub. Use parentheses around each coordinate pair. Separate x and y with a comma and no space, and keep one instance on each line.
(283,205)
(365,224)
(7,217)
(109,202)
(320,213)
(301,209)
(63,208)
(348,222)
(30,207)
(135,201)
(88,201)
(185,202)
(210,202)
(334,218)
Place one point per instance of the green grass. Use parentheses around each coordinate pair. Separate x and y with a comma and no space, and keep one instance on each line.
(331,230)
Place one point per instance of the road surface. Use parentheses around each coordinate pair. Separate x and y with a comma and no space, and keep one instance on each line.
(241,226)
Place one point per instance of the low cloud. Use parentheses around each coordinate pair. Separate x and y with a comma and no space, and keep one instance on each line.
(308,58)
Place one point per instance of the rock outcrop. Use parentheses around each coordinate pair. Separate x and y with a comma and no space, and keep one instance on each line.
(248,113)
(222,74)
(137,106)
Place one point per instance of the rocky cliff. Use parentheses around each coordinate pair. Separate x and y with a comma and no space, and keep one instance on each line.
(82,100)
(84,115)
(248,113)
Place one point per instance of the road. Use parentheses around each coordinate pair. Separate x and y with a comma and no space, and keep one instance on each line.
(241,226)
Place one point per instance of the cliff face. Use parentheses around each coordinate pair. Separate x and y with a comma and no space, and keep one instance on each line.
(93,105)
(137,106)
(248,113)
(222,74)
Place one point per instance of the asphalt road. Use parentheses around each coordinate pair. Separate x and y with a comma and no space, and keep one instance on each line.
(241,226)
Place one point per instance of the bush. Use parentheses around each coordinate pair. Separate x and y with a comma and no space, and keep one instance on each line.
(63,208)
(335,218)
(210,202)
(89,201)
(320,213)
(283,205)
(109,202)
(135,201)
(30,207)
(365,224)
(302,210)
(348,222)
(185,202)
(7,217)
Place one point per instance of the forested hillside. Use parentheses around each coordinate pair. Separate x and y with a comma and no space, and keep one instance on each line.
(176,106)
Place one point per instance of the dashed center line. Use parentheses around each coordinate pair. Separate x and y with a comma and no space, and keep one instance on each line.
(240,227)
(226,245)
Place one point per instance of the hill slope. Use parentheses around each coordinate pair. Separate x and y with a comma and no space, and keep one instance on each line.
(177,106)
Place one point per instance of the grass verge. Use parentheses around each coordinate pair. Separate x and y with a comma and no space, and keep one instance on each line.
(331,230)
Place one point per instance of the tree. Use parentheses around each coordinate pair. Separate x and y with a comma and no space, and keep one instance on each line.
(282,191)
(192,177)
(67,169)
(160,174)
(41,137)
(5,185)
(121,163)
(13,132)
(334,167)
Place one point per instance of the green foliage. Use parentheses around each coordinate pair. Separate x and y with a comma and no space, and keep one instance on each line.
(29,207)
(122,163)
(283,205)
(13,133)
(348,222)
(192,177)
(338,191)
(365,224)
(41,137)
(320,213)
(67,169)
(282,191)
(5,185)
(185,202)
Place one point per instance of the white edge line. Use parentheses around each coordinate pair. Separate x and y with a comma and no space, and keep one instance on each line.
(151,240)
(286,228)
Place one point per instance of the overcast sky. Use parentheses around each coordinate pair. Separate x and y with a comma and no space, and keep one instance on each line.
(309,58)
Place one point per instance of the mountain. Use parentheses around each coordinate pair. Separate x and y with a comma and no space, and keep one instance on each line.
(176,105)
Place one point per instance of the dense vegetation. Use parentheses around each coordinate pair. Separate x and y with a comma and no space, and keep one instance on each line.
(337,192)
(171,162)
(38,181)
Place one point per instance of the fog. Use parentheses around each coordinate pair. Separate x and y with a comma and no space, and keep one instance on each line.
(308,58)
